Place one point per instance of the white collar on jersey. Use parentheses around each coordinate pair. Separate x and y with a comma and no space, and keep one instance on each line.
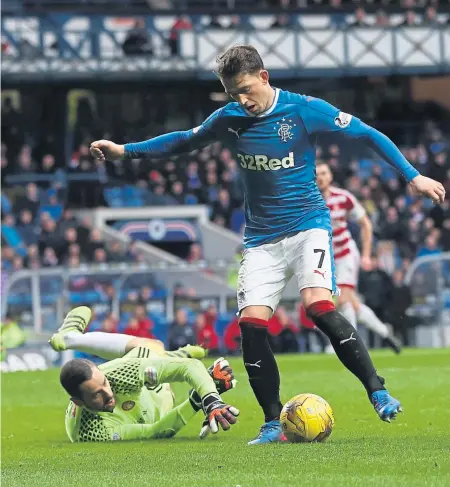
(269,110)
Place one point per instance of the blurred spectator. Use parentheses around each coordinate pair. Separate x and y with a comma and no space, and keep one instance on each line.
(211,192)
(17,263)
(182,23)
(49,258)
(47,165)
(7,257)
(211,314)
(145,294)
(193,178)
(410,19)
(95,242)
(140,325)
(180,332)
(75,251)
(179,289)
(360,18)
(382,19)
(222,207)
(73,262)
(430,17)
(49,236)
(25,163)
(12,336)
(115,252)
(195,253)
(399,301)
(138,40)
(375,286)
(66,221)
(100,256)
(206,335)
(431,247)
(26,228)
(392,229)
(177,192)
(30,201)
(232,337)
(286,341)
(32,254)
(109,324)
(281,21)
(214,23)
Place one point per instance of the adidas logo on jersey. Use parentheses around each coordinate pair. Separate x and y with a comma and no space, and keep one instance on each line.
(260,162)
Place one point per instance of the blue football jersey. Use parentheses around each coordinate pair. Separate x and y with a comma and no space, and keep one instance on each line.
(276,154)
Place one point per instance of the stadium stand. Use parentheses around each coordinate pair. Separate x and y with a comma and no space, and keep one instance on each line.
(48,174)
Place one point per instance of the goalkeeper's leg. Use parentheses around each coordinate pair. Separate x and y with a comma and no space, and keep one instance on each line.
(108,346)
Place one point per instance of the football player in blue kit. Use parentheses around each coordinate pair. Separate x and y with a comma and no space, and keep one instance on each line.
(272,134)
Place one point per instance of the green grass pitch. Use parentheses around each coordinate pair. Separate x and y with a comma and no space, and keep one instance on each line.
(362,451)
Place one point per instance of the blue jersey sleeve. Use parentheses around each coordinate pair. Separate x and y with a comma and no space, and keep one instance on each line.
(319,117)
(178,142)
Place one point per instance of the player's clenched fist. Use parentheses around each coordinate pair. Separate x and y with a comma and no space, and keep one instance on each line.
(105,149)
(222,375)
(217,413)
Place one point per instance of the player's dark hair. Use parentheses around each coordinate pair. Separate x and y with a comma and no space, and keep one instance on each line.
(241,59)
(74,373)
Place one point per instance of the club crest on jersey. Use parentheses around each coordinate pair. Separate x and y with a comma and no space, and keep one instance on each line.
(285,129)
(343,120)
(128,405)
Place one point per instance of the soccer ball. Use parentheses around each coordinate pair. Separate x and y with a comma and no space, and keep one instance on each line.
(307,418)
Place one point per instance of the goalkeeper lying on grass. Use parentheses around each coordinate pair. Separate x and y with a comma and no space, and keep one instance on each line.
(129,398)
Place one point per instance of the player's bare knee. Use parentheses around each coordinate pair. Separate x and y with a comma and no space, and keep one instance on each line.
(311,295)
(258,312)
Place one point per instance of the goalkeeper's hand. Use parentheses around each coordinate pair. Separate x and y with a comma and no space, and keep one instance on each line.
(217,414)
(222,375)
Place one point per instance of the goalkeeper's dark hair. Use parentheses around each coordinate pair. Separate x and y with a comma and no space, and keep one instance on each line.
(74,373)
(240,59)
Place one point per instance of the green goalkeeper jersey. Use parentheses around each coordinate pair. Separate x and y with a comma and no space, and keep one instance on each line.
(144,400)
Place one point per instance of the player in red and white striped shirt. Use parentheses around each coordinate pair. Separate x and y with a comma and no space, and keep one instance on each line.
(343,207)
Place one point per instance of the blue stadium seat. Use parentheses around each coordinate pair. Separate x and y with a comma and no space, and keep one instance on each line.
(161,329)
(388,172)
(13,239)
(84,297)
(55,211)
(191,199)
(6,204)
(222,322)
(113,196)
(19,300)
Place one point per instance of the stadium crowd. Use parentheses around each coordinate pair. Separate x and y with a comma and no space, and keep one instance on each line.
(38,227)
(40,231)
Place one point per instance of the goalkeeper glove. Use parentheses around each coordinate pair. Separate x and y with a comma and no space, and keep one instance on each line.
(217,413)
(222,375)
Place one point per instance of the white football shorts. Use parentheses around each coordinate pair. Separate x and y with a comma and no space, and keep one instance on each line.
(265,270)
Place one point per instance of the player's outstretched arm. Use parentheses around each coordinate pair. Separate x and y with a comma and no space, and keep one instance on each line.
(166,427)
(319,117)
(163,145)
(159,370)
